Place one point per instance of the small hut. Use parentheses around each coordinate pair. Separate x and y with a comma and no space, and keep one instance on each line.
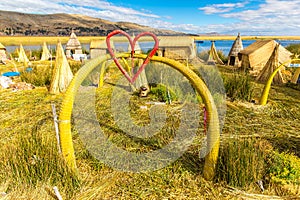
(73,48)
(177,47)
(213,57)
(62,74)
(46,53)
(237,46)
(22,55)
(272,64)
(256,55)
(99,48)
(296,77)
(2,53)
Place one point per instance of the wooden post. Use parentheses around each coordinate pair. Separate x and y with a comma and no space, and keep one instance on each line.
(56,126)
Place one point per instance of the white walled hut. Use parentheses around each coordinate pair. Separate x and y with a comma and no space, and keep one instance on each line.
(237,46)
(73,47)
(177,47)
(255,56)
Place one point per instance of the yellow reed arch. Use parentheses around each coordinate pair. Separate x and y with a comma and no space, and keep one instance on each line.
(213,134)
(264,97)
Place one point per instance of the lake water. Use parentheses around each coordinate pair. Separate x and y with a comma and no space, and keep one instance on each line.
(223,45)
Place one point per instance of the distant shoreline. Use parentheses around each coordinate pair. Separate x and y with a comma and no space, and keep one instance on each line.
(37,40)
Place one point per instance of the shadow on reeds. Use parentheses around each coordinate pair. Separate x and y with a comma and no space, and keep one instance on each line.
(125,87)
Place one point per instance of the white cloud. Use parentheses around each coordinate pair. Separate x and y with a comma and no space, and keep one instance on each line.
(96,8)
(222,8)
(271,17)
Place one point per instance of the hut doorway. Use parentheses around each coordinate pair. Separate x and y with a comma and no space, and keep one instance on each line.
(232,60)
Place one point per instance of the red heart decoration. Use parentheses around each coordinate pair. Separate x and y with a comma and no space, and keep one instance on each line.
(132,44)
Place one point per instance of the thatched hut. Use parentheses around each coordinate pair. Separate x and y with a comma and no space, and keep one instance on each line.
(272,64)
(177,47)
(213,57)
(73,46)
(62,74)
(2,53)
(256,55)
(237,46)
(22,55)
(99,48)
(46,53)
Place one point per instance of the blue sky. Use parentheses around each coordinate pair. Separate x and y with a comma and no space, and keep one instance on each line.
(250,17)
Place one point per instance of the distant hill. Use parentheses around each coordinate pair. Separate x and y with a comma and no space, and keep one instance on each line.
(14,23)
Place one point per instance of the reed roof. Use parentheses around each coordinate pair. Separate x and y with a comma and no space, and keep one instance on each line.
(22,55)
(2,46)
(237,46)
(261,50)
(266,44)
(213,55)
(62,74)
(46,53)
(272,64)
(73,42)
(100,44)
(176,41)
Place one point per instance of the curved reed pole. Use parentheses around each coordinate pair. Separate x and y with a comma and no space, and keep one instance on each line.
(213,135)
(264,97)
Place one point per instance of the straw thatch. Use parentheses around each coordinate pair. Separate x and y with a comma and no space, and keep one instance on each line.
(271,65)
(2,52)
(99,48)
(296,76)
(213,57)
(62,74)
(73,46)
(256,55)
(45,54)
(237,46)
(177,47)
(22,55)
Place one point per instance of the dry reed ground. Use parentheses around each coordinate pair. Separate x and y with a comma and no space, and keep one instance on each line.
(29,171)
